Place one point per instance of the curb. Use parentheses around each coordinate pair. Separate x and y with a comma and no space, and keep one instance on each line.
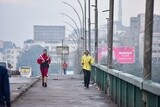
(19,92)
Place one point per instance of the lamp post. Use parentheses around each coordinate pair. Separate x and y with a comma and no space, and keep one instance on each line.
(110,34)
(72,21)
(89,25)
(96,32)
(147,60)
(72,33)
(81,25)
(84,22)
(72,28)
(78,45)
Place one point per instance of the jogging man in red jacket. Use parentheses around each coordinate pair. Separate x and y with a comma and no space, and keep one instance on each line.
(44,60)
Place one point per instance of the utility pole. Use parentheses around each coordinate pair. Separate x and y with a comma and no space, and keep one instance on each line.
(62,56)
(78,55)
(148,40)
(147,60)
(110,33)
(96,32)
(85,25)
(89,26)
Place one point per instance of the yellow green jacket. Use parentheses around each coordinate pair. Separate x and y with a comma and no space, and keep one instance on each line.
(86,62)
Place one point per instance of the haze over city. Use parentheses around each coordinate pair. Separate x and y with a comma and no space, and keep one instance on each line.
(19,16)
(94,55)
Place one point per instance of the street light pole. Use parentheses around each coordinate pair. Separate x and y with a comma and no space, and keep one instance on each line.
(62,55)
(89,26)
(83,20)
(148,39)
(85,24)
(147,61)
(72,33)
(110,34)
(72,28)
(81,25)
(72,21)
(96,32)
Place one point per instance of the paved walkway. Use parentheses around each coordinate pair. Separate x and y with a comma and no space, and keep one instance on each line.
(63,91)
(17,82)
(19,85)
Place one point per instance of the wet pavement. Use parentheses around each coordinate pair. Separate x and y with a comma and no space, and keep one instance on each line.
(63,91)
(17,82)
(19,85)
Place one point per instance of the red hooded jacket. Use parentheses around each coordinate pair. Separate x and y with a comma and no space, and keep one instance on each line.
(44,60)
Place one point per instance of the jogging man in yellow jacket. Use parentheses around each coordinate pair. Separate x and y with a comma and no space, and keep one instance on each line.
(86,62)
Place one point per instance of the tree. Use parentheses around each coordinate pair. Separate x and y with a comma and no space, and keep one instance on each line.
(29,58)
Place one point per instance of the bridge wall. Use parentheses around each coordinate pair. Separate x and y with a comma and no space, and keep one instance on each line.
(126,90)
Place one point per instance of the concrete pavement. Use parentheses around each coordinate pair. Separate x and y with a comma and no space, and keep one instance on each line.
(63,91)
(19,85)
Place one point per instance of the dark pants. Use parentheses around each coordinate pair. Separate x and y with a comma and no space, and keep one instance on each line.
(64,71)
(87,75)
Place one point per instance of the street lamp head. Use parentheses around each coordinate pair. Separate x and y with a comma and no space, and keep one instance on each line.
(93,6)
(105,10)
(82,38)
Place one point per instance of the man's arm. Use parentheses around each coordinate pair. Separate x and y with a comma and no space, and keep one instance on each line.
(91,60)
(39,60)
(82,60)
(49,59)
(6,89)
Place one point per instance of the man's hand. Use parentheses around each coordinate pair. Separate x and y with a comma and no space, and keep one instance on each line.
(43,61)
(89,61)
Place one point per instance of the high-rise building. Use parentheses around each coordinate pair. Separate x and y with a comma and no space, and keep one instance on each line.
(120,13)
(10,55)
(155,47)
(49,33)
(156,37)
(5,45)
(141,22)
(156,25)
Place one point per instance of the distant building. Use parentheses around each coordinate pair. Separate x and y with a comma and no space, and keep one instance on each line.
(119,22)
(156,25)
(5,45)
(1,44)
(1,57)
(139,23)
(51,48)
(136,33)
(49,33)
(155,47)
(10,55)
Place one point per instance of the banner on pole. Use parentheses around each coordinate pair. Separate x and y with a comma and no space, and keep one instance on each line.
(64,50)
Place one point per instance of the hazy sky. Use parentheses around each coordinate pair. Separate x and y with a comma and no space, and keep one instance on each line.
(17,17)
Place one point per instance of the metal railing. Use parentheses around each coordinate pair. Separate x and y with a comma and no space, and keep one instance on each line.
(125,89)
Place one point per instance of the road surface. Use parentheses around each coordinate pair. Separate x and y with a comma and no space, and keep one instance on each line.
(63,91)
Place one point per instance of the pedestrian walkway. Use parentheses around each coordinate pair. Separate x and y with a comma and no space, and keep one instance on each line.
(19,85)
(63,91)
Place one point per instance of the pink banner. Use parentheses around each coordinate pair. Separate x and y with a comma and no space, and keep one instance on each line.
(123,55)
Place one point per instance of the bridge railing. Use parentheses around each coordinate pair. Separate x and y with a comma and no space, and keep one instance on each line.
(126,90)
